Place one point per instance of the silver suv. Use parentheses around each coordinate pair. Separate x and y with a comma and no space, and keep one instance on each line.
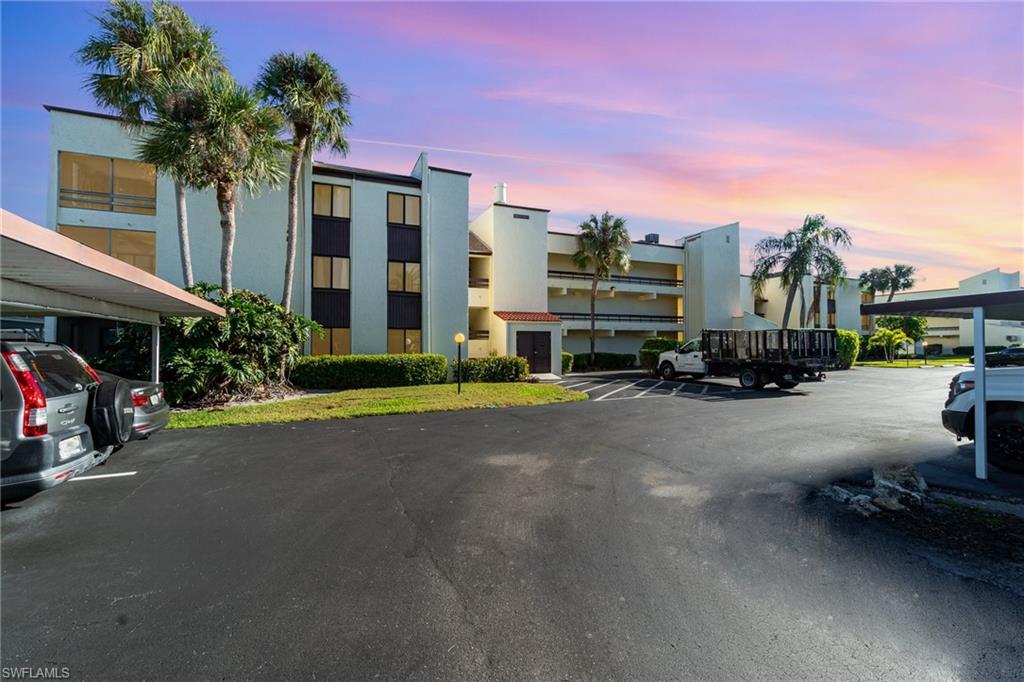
(57,419)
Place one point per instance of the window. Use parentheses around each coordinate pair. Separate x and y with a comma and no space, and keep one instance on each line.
(403,209)
(101,183)
(404,277)
(134,247)
(404,341)
(336,341)
(332,200)
(330,272)
(865,320)
(691,347)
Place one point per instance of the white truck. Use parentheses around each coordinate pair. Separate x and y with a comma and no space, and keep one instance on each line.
(784,357)
(1004,403)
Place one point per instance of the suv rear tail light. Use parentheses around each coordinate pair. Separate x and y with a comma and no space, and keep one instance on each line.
(138,399)
(35,422)
(85,365)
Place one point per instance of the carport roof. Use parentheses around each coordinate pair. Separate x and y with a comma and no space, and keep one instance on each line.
(998,305)
(46,273)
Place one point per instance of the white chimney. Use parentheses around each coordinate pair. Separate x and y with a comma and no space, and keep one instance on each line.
(501,193)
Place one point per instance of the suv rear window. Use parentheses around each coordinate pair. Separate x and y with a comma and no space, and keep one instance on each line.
(56,370)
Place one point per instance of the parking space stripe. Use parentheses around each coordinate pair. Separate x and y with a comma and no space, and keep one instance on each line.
(117,475)
(582,383)
(623,388)
(594,388)
(649,388)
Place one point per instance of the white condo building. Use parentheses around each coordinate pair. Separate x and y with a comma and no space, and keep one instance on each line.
(392,263)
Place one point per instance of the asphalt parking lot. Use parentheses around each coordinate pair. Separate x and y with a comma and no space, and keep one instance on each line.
(656,531)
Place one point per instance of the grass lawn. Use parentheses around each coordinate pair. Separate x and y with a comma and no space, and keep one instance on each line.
(373,401)
(937,360)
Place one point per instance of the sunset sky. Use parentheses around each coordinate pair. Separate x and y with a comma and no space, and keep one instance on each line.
(901,122)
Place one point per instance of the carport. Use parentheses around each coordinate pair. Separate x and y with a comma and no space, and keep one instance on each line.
(997,305)
(43,273)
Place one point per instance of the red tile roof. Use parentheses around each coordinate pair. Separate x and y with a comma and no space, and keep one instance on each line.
(518,316)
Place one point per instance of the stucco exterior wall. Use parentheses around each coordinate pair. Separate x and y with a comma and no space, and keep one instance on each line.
(261,220)
(446,255)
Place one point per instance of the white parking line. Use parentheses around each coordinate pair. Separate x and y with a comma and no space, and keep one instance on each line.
(117,475)
(582,383)
(704,390)
(623,388)
(594,388)
(649,388)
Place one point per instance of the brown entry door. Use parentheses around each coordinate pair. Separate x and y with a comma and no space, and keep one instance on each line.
(536,348)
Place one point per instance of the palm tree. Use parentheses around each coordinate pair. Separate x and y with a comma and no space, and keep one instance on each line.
(874,280)
(829,270)
(308,94)
(901,278)
(792,256)
(230,142)
(601,245)
(133,51)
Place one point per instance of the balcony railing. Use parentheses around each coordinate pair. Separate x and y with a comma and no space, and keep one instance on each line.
(479,282)
(625,279)
(479,334)
(623,317)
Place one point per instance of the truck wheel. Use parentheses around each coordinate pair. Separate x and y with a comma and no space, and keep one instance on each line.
(1006,440)
(667,371)
(751,378)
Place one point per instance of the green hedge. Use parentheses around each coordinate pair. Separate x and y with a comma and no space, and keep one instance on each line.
(933,349)
(369,371)
(847,348)
(494,369)
(653,347)
(604,361)
(969,350)
(566,362)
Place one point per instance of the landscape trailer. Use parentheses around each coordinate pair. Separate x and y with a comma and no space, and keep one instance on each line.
(784,357)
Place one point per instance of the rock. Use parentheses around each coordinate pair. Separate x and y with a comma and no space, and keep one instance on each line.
(902,483)
(887,502)
(838,494)
(862,505)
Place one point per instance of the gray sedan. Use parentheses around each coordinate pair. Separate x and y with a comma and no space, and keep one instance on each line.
(151,409)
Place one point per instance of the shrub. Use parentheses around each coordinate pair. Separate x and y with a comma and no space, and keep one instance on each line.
(969,350)
(494,369)
(605,361)
(566,362)
(933,349)
(369,371)
(207,359)
(847,348)
(652,348)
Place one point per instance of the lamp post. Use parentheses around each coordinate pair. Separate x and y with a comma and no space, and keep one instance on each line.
(924,344)
(459,338)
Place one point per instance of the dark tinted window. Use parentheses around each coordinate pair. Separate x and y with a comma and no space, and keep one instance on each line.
(57,372)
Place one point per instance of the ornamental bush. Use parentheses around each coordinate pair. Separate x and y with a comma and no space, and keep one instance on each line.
(847,348)
(342,372)
(206,360)
(969,350)
(652,348)
(605,361)
(494,369)
(566,362)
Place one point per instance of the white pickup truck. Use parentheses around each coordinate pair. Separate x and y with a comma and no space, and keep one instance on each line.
(1004,393)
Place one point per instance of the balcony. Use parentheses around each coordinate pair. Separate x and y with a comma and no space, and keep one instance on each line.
(479,293)
(479,343)
(622,321)
(561,281)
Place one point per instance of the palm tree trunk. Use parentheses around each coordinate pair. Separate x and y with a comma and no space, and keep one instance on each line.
(186,251)
(226,206)
(892,292)
(789,303)
(803,303)
(815,305)
(293,221)
(593,320)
